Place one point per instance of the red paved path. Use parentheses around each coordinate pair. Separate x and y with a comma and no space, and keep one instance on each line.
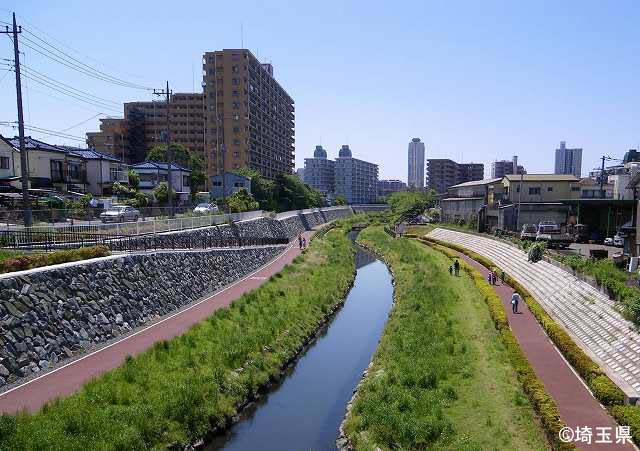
(576,404)
(69,378)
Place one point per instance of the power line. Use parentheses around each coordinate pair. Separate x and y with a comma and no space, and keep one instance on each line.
(88,67)
(44,131)
(83,122)
(53,80)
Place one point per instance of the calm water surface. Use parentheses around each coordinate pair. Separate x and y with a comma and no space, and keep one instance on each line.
(306,409)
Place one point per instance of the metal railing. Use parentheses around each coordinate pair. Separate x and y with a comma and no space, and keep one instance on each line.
(55,240)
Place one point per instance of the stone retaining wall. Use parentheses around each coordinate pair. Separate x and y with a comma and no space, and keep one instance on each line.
(50,315)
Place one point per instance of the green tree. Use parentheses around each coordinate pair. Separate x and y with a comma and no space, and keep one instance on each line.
(406,205)
(241,201)
(134,179)
(161,193)
(185,158)
(292,194)
(340,200)
(262,189)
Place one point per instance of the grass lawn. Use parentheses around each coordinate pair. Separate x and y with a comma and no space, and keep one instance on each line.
(441,377)
(5,254)
(178,390)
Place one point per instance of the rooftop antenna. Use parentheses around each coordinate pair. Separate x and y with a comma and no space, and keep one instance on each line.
(241,36)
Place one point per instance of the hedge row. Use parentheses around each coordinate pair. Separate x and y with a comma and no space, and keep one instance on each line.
(53,258)
(543,404)
(603,388)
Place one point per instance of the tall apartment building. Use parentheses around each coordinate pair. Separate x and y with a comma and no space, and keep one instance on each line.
(249,116)
(139,131)
(319,172)
(355,180)
(568,161)
(503,167)
(443,173)
(415,176)
(386,187)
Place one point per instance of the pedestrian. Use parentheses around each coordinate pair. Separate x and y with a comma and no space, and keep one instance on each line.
(489,279)
(515,299)
(503,276)
(495,277)
(456,267)
(304,243)
(451,270)
(300,241)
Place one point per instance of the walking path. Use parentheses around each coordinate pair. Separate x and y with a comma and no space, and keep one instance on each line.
(588,315)
(577,407)
(67,379)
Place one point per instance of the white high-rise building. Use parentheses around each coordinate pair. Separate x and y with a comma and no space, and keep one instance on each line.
(568,161)
(415,177)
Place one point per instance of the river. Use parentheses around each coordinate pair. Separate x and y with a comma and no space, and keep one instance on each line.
(304,411)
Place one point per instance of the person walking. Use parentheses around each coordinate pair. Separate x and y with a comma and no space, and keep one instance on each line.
(300,241)
(304,243)
(451,270)
(515,300)
(503,276)
(456,267)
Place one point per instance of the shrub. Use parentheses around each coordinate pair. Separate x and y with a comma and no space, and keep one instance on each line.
(536,251)
(38,260)
(628,416)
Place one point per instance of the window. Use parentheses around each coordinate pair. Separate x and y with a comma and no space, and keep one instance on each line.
(236,129)
(56,170)
(234,81)
(4,162)
(236,142)
(549,188)
(185,180)
(534,191)
(575,188)
(217,183)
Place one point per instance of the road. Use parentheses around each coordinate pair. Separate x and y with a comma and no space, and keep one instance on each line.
(67,379)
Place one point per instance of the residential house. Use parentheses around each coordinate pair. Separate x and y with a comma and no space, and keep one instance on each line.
(52,167)
(464,201)
(9,158)
(232,184)
(152,173)
(103,170)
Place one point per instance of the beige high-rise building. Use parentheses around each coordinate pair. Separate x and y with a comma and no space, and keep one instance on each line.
(250,117)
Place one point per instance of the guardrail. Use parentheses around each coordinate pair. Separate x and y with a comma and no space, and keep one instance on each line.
(48,241)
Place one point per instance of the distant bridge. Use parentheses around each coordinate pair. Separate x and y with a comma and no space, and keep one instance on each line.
(369,207)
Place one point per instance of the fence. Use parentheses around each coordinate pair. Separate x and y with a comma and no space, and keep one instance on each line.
(48,241)
(143,226)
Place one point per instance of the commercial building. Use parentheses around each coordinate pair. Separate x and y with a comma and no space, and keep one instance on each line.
(503,167)
(415,177)
(568,161)
(355,180)
(465,200)
(386,187)
(443,173)
(319,172)
(112,139)
(249,116)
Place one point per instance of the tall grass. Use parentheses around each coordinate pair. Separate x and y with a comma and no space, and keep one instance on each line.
(179,390)
(441,377)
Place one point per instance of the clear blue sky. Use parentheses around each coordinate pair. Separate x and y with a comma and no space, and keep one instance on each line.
(476,80)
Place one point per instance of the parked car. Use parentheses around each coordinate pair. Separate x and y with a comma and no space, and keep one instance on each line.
(528,232)
(618,241)
(551,233)
(580,232)
(206,208)
(120,213)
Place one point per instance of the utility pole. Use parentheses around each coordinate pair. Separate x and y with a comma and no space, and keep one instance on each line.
(24,161)
(602,178)
(167,140)
(519,199)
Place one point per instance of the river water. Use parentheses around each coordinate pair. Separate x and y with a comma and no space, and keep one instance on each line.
(304,411)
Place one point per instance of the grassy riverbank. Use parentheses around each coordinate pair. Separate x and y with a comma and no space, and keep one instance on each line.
(181,389)
(441,376)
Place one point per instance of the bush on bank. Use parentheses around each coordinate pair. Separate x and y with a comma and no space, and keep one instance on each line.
(179,390)
(27,261)
(427,363)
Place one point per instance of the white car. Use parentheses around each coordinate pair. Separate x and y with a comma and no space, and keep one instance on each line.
(608,241)
(206,209)
(120,213)
(618,241)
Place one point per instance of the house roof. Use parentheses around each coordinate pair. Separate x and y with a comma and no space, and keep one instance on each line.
(91,154)
(35,144)
(159,165)
(476,183)
(542,177)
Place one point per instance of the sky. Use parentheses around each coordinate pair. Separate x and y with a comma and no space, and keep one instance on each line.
(475,80)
